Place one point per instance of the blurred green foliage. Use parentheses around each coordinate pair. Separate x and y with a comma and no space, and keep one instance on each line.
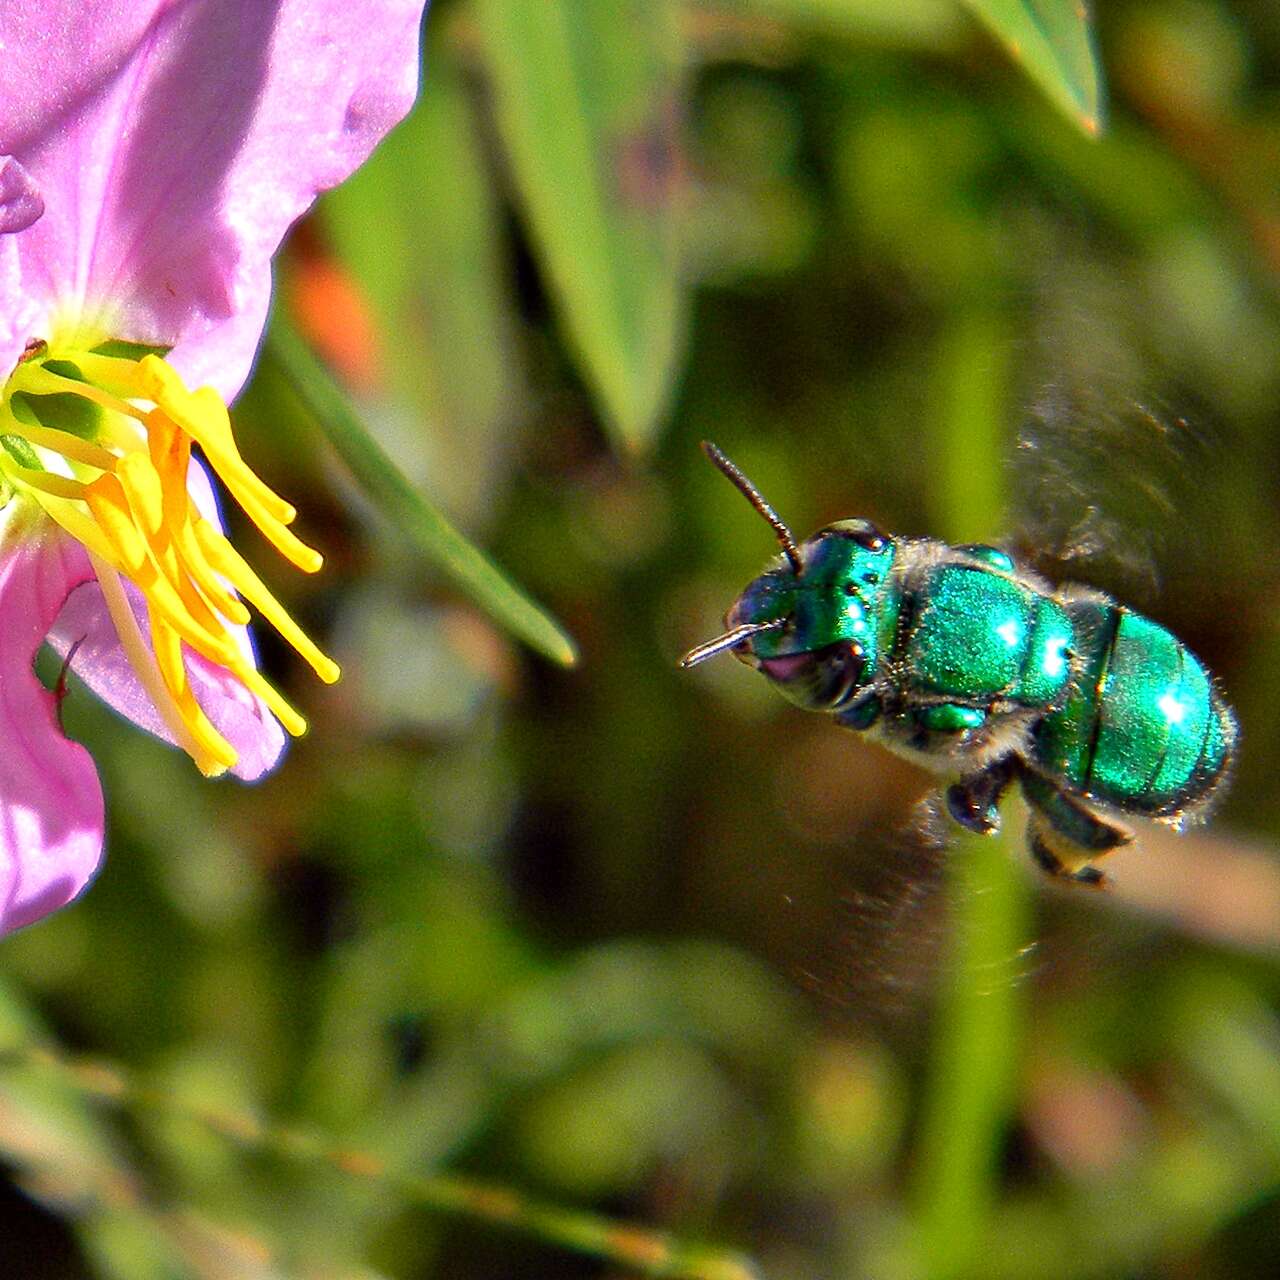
(658,947)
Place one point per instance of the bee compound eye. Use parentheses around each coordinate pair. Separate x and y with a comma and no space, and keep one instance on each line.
(867,536)
(856,663)
(846,664)
(862,532)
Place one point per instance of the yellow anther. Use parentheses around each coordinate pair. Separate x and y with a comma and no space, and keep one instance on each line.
(142,487)
(227,561)
(282,709)
(168,651)
(109,506)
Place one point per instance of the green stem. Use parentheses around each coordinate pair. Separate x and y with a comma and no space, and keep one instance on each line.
(401,503)
(974,1065)
(977,1045)
(638,1249)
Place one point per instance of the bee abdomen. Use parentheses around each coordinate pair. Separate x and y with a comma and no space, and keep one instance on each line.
(1143,729)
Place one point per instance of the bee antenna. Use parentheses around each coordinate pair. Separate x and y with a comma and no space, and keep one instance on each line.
(730,640)
(756,498)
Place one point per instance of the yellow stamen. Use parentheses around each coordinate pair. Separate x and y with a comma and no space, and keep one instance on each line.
(228,562)
(144,665)
(268,512)
(204,417)
(168,650)
(142,488)
(109,506)
(282,710)
(119,375)
(81,528)
(170,453)
(126,500)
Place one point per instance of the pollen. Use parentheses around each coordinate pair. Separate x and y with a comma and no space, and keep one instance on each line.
(103,442)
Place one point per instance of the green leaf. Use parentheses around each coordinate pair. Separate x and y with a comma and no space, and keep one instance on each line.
(388,489)
(437,275)
(588,110)
(1052,41)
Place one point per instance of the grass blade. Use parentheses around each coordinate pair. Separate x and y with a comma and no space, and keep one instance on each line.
(388,489)
(586,99)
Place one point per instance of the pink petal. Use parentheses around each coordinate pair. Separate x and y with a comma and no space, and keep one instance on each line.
(99,660)
(175,141)
(51,811)
(20,200)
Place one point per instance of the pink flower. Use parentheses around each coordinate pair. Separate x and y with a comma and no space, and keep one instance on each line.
(152,155)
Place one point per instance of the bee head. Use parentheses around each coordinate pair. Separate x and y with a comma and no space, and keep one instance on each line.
(809,623)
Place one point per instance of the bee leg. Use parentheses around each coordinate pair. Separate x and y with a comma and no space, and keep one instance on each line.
(974,801)
(1067,837)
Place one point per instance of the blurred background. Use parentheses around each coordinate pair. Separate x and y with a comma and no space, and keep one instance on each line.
(656,946)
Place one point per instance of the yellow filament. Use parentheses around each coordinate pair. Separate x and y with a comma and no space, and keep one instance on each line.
(38,380)
(81,528)
(63,442)
(49,482)
(117,374)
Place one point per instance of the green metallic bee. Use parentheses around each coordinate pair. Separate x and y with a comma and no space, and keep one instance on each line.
(963,660)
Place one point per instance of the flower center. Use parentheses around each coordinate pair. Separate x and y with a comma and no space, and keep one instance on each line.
(101,438)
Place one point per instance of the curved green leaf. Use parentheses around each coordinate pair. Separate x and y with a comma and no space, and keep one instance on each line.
(1053,42)
(388,489)
(587,107)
